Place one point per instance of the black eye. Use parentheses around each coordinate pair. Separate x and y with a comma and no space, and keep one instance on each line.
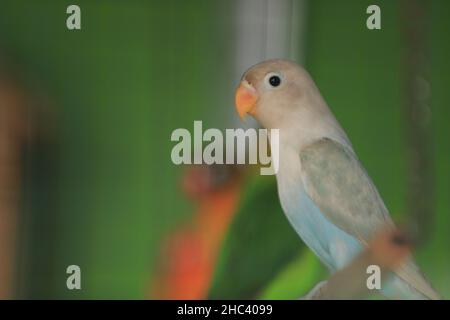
(274,81)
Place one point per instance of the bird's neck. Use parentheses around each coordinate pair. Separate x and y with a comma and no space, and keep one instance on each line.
(304,130)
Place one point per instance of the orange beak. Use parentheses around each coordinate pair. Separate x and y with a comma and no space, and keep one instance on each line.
(245,99)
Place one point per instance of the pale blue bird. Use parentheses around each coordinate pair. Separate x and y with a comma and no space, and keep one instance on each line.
(324,190)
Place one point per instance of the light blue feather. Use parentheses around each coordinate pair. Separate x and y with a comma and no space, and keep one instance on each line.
(334,247)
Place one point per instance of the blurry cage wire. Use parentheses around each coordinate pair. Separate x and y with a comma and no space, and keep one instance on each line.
(417,111)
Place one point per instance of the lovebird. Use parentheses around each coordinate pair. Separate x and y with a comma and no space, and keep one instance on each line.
(325,192)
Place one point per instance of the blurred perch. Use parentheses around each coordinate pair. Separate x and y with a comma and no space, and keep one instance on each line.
(388,251)
(14,125)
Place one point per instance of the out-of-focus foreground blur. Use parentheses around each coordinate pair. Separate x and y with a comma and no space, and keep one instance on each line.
(86,116)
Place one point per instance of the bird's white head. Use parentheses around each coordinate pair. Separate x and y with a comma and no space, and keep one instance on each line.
(280,94)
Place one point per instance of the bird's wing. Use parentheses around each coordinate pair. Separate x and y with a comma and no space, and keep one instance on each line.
(336,181)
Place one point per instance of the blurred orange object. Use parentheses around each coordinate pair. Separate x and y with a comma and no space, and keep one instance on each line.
(188,257)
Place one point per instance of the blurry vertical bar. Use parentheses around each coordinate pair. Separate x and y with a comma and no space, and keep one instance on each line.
(12,132)
(269,29)
(420,193)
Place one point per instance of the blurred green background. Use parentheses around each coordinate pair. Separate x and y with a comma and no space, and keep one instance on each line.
(100,190)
